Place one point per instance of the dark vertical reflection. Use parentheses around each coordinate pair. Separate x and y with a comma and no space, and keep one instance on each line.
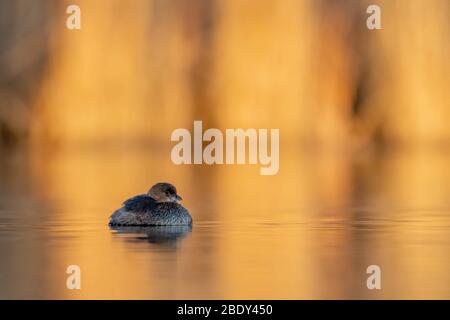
(25,254)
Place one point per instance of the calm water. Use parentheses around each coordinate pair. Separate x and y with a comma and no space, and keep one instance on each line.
(308,232)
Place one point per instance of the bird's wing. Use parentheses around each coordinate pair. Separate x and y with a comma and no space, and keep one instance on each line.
(140,203)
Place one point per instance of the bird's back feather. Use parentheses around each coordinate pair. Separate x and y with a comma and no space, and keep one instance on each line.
(143,210)
(140,203)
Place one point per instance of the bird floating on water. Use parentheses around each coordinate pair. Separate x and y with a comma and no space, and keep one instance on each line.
(158,207)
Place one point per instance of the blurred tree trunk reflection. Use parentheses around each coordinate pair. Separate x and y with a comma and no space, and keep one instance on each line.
(24,37)
(138,70)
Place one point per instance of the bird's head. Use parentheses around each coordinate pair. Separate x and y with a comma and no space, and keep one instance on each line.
(164,192)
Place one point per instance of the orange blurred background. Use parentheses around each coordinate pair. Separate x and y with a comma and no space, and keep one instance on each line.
(86,117)
(137,70)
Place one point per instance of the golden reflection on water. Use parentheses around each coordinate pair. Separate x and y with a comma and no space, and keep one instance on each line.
(308,232)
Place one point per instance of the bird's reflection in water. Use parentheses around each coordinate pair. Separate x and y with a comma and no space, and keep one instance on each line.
(156,234)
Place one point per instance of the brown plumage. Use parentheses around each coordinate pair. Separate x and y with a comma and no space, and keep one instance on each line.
(159,207)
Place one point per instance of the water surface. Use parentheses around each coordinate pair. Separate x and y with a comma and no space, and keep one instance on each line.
(309,232)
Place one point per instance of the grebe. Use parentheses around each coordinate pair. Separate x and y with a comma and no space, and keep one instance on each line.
(159,207)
